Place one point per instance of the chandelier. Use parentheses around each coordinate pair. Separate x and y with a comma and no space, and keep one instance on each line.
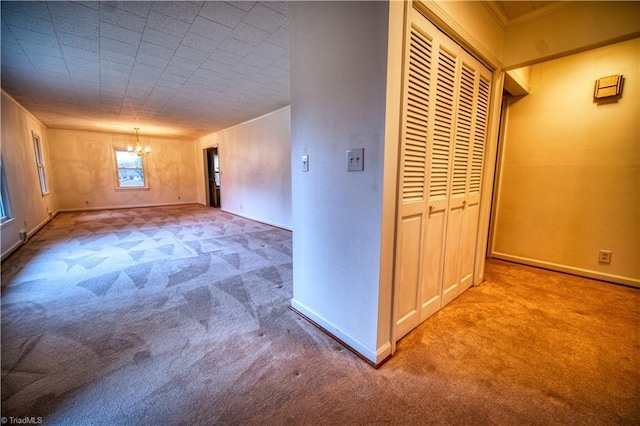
(138,149)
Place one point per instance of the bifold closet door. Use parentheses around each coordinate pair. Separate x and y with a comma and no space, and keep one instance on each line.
(466,174)
(442,144)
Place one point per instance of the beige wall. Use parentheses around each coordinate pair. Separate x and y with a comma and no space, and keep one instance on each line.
(29,207)
(570,172)
(338,104)
(578,26)
(84,176)
(255,168)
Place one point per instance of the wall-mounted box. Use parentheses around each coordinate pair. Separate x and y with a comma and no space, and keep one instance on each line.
(608,86)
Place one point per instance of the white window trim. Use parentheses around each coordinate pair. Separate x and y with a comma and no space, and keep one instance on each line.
(6,202)
(116,175)
(40,165)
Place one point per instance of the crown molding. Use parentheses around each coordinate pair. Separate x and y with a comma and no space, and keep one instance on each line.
(431,10)
(496,11)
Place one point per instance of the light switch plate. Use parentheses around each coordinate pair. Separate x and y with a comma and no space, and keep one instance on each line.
(305,163)
(355,160)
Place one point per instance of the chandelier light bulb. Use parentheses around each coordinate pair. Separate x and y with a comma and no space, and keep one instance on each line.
(138,149)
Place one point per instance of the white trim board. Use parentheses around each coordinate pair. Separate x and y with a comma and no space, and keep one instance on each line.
(30,234)
(133,206)
(256,219)
(375,357)
(569,269)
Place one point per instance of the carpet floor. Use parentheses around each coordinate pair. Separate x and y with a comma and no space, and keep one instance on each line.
(180,315)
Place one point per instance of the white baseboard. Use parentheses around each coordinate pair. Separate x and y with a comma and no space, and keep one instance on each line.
(130,206)
(375,357)
(30,233)
(633,282)
(256,219)
(38,227)
(10,250)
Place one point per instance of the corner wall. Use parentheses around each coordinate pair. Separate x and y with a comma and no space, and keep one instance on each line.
(338,102)
(30,209)
(570,171)
(84,176)
(575,27)
(255,168)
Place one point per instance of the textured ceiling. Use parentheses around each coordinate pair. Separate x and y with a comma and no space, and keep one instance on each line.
(517,9)
(171,68)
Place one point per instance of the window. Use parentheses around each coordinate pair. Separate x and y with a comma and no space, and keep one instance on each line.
(130,170)
(37,146)
(5,206)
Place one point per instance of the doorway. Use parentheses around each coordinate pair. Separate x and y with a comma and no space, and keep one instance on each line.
(213,177)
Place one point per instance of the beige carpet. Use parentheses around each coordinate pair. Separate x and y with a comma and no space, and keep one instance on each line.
(180,315)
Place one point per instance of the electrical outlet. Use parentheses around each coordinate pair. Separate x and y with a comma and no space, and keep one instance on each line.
(355,160)
(604,256)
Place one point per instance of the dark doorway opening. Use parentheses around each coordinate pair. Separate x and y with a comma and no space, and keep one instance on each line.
(213,175)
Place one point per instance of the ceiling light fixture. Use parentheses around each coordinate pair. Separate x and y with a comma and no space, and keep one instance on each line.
(138,149)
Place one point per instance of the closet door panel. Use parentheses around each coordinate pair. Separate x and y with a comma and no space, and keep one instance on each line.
(413,180)
(468,233)
(431,293)
(408,316)
(450,286)
(447,106)
(481,86)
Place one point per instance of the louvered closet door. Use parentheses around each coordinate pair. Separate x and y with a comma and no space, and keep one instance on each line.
(413,194)
(466,173)
(437,197)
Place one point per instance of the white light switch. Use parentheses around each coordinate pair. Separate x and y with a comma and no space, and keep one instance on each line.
(355,160)
(305,163)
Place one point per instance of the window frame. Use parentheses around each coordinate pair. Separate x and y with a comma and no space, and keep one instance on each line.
(6,214)
(40,163)
(116,170)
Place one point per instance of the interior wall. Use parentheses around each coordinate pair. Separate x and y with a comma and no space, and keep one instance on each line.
(29,207)
(84,176)
(578,26)
(570,171)
(338,87)
(255,168)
